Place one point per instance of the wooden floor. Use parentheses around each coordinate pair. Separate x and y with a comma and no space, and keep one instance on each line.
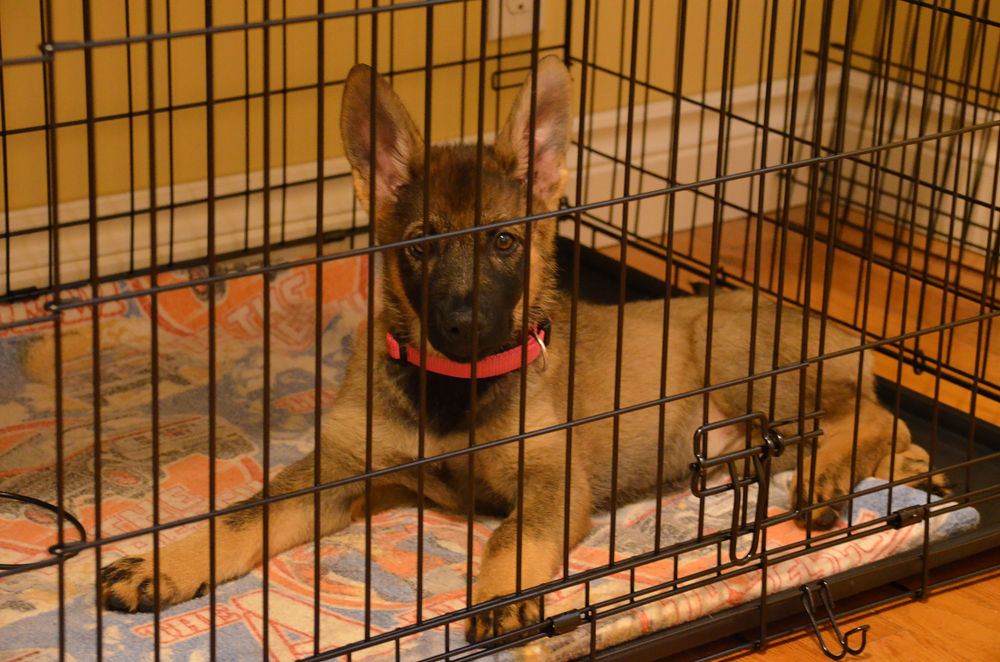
(960,622)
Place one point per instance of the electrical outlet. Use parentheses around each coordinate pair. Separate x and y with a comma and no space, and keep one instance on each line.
(516,18)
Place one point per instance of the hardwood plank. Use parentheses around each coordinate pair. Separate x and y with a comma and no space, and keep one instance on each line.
(955,626)
(960,622)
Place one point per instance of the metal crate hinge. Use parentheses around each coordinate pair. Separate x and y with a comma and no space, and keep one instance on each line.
(23,294)
(907,516)
(564,623)
(808,601)
(760,456)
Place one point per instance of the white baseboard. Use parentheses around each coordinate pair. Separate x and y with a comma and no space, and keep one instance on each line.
(974,151)
(30,267)
(697,154)
(606,130)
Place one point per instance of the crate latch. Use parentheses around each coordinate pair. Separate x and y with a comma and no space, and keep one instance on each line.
(808,601)
(760,456)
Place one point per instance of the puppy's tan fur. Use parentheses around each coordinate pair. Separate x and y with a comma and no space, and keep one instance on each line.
(399,181)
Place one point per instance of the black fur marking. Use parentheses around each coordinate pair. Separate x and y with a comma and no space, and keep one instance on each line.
(826,517)
(822,516)
(146,603)
(449,288)
(449,399)
(822,482)
(450,263)
(115,603)
(523,611)
(113,575)
(941,490)
(487,621)
(241,519)
(120,571)
(513,616)
(127,562)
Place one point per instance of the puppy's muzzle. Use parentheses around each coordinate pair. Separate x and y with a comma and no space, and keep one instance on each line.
(451,332)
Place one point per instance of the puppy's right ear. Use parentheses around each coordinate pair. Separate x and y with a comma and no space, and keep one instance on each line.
(398,145)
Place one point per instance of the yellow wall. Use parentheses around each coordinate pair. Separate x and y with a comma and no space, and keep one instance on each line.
(24,102)
(908,20)
(402,39)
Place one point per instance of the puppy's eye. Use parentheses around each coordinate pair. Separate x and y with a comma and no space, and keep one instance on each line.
(504,241)
(416,251)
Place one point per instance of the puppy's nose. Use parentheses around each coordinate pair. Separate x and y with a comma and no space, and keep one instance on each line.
(457,326)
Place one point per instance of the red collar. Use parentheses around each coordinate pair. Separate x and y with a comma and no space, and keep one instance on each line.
(491,366)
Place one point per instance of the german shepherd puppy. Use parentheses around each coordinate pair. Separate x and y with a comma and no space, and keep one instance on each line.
(399,184)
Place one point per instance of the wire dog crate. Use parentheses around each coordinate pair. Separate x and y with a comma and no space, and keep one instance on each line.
(185,265)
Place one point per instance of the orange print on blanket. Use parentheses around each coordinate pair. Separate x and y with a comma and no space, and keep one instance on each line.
(239,302)
(231,477)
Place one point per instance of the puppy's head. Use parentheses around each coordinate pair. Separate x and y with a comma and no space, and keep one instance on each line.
(400,182)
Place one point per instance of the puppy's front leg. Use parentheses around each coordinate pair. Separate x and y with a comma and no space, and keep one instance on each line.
(541,544)
(184,565)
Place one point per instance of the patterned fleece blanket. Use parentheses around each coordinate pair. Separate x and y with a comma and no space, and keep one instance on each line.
(29,601)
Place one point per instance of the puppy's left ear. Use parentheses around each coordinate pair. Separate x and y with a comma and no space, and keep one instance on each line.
(552,127)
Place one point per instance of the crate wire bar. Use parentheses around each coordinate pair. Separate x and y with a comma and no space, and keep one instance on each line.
(838,157)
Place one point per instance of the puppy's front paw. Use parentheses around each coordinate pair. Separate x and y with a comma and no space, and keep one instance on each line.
(502,622)
(128,586)
(912,462)
(824,516)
